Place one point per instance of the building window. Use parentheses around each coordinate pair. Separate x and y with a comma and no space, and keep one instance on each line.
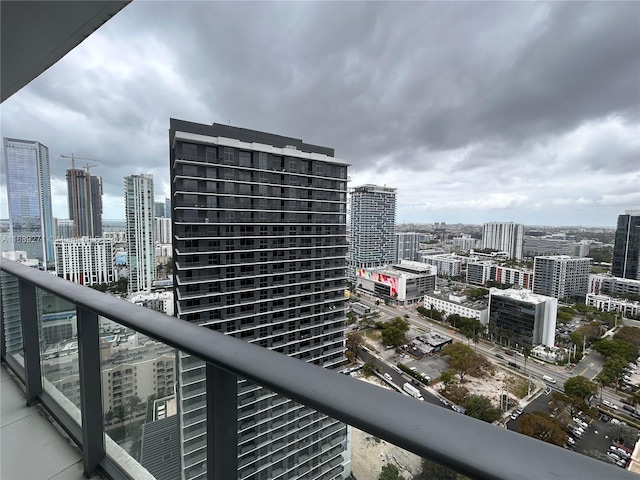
(244,159)
(262,160)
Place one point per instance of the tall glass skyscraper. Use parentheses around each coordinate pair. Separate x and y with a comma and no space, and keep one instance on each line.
(85,202)
(259,226)
(139,214)
(29,199)
(372,236)
(626,251)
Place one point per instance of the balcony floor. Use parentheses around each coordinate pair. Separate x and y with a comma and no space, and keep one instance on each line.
(30,446)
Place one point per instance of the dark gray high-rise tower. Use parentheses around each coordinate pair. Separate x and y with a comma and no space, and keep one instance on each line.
(84,193)
(372,241)
(259,241)
(626,251)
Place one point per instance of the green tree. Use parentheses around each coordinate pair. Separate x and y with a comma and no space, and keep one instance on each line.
(448,377)
(393,337)
(422,311)
(616,347)
(368,369)
(400,324)
(629,334)
(539,425)
(580,387)
(461,358)
(389,472)
(434,471)
(480,407)
(456,393)
(355,342)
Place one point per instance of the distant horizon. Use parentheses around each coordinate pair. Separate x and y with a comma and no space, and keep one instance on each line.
(609,227)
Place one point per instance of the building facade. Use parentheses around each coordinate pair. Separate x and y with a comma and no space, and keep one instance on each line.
(10,297)
(407,245)
(259,253)
(524,317)
(87,261)
(372,224)
(614,286)
(463,243)
(541,246)
(448,266)
(28,180)
(64,228)
(561,276)
(139,215)
(162,229)
(626,250)
(457,304)
(626,308)
(405,283)
(504,236)
(85,203)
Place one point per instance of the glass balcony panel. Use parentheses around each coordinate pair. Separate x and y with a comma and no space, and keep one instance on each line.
(138,378)
(58,329)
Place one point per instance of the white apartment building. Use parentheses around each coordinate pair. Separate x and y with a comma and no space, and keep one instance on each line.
(162,229)
(458,304)
(141,372)
(448,265)
(464,243)
(561,276)
(87,261)
(616,286)
(158,301)
(525,317)
(605,303)
(407,245)
(551,245)
(504,236)
(479,273)
(139,214)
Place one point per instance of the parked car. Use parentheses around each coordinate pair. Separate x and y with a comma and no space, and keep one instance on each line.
(580,422)
(629,408)
(613,456)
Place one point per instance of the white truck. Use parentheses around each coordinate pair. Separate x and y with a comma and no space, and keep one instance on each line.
(413,391)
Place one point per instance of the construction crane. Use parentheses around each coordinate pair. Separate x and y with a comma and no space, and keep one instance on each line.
(74,194)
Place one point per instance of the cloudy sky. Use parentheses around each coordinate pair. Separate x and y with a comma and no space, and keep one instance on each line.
(476,112)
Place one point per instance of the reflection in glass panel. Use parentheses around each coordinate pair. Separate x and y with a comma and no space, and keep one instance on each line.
(59,347)
(138,376)
(11,314)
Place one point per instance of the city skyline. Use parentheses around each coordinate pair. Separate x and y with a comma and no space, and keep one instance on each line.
(483,113)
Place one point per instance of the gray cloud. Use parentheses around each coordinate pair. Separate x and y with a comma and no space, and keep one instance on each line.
(498,93)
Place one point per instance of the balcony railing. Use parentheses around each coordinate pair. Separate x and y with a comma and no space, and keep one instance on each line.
(471,447)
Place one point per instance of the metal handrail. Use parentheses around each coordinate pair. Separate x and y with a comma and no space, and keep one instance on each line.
(469,446)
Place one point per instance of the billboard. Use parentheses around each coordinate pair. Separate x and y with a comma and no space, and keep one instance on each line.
(388,280)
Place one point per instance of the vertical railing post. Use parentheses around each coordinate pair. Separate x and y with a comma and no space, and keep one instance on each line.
(222,424)
(30,340)
(93,442)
